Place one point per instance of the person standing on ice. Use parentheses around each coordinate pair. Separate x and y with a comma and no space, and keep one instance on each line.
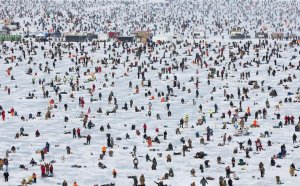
(42,155)
(142,180)
(168,106)
(261,169)
(47,166)
(292,170)
(43,170)
(3,115)
(5,161)
(48,146)
(82,102)
(294,138)
(249,142)
(224,139)
(135,163)
(228,171)
(12,111)
(149,141)
(34,177)
(203,182)
(165,135)
(181,123)
(51,169)
(145,128)
(6,175)
(230,182)
(114,173)
(216,108)
(154,164)
(103,150)
(66,107)
(134,150)
(65,183)
(184,148)
(88,139)
(74,133)
(68,148)
(78,132)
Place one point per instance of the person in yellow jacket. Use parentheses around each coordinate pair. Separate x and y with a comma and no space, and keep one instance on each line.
(24,183)
(1,164)
(30,180)
(292,171)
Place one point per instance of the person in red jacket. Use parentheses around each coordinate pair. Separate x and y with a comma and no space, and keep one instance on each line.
(292,118)
(157,130)
(43,170)
(286,120)
(3,115)
(51,169)
(12,111)
(82,102)
(78,132)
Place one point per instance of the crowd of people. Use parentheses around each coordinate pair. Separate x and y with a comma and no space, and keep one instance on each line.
(170,110)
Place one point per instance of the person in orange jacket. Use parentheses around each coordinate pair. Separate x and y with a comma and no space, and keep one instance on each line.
(75,184)
(149,142)
(12,111)
(103,150)
(255,123)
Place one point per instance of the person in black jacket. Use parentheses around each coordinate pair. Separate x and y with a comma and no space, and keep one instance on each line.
(294,138)
(65,183)
(135,163)
(229,182)
(6,174)
(74,133)
(272,162)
